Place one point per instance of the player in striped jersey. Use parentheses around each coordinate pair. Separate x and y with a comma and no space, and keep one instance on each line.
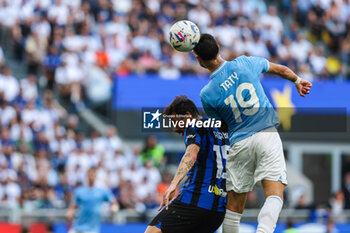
(200,206)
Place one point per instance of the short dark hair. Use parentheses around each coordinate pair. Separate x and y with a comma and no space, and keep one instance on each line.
(207,47)
(180,105)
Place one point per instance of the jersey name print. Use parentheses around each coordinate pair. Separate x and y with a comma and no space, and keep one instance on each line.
(235,95)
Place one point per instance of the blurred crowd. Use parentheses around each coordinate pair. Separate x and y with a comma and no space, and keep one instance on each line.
(44,155)
(73,43)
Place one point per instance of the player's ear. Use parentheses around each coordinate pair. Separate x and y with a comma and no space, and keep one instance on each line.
(200,61)
(197,57)
(188,114)
(195,54)
(217,43)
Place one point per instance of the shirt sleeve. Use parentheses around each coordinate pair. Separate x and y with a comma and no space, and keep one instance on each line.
(75,199)
(209,110)
(108,197)
(192,137)
(259,64)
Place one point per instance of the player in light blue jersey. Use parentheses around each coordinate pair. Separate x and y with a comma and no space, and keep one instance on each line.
(86,206)
(235,95)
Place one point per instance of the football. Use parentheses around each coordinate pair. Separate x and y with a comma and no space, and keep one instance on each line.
(184,35)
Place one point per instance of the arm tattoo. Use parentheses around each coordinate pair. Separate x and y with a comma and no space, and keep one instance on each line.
(186,163)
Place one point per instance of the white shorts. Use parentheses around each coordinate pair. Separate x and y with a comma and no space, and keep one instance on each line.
(256,158)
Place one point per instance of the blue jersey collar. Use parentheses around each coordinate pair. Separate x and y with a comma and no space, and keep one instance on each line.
(217,70)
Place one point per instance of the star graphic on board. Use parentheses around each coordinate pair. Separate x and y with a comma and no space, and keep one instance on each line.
(284,105)
(156,115)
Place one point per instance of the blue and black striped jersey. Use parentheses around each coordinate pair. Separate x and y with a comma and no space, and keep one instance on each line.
(206,183)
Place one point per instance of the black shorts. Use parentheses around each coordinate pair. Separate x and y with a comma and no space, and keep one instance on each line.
(184,218)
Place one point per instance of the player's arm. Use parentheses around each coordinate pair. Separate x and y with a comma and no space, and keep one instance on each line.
(71,212)
(302,85)
(109,197)
(187,162)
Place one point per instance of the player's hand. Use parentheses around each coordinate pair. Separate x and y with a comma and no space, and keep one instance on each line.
(114,208)
(303,87)
(168,196)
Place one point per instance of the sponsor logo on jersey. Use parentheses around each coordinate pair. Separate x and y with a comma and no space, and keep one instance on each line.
(220,135)
(217,191)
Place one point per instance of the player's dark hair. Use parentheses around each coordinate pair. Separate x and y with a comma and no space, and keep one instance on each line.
(207,47)
(181,105)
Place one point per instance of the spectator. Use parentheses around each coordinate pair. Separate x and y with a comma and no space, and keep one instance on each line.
(9,87)
(152,174)
(7,113)
(163,186)
(318,62)
(334,25)
(58,13)
(50,63)
(300,49)
(29,88)
(168,71)
(102,58)
(152,151)
(337,203)
(143,192)
(114,141)
(302,204)
(346,190)
(116,162)
(69,79)
(148,63)
(200,16)
(273,20)
(35,49)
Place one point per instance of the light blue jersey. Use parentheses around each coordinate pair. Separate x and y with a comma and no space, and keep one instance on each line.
(235,95)
(89,202)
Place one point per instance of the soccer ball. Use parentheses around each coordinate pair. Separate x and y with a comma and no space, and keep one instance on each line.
(184,35)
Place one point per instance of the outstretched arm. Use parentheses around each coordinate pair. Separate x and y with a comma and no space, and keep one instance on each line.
(114,207)
(185,166)
(302,85)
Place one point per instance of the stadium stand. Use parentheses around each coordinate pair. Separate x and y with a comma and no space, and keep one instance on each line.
(42,160)
(72,49)
(61,38)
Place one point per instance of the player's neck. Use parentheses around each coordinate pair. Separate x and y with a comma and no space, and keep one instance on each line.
(215,64)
